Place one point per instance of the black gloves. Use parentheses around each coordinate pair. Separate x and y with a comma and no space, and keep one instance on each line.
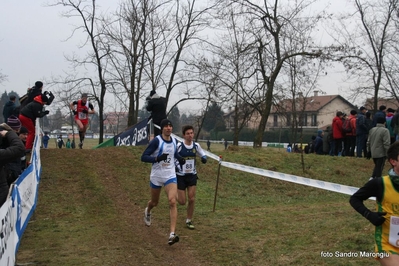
(85,111)
(43,113)
(376,218)
(74,112)
(203,159)
(368,155)
(163,157)
(182,161)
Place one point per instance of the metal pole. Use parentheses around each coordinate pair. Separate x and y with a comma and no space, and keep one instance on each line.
(217,183)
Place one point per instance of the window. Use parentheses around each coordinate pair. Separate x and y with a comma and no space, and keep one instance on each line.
(314,120)
(303,120)
(275,120)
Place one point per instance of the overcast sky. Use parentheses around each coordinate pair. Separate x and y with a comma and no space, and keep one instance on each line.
(32,46)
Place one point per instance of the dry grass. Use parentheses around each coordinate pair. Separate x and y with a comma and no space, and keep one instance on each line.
(91,203)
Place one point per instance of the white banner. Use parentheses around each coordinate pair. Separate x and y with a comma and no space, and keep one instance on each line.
(19,206)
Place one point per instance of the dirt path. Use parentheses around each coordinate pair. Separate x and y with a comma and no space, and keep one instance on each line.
(150,243)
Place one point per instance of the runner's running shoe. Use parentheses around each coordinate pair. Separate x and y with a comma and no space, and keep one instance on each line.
(190,225)
(173,239)
(147,217)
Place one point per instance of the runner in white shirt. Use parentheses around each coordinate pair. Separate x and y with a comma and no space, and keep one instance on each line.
(162,152)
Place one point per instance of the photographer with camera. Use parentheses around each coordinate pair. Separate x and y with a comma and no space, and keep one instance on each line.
(30,112)
(32,93)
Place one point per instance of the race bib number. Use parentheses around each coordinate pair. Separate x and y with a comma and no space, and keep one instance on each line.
(166,162)
(82,115)
(394,231)
(188,167)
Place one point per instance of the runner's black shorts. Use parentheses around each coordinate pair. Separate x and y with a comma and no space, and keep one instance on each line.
(186,181)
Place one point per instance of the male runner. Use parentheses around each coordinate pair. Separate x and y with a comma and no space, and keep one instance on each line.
(161,152)
(81,111)
(187,174)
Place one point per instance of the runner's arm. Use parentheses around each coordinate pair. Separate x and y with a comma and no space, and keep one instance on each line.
(373,188)
(147,154)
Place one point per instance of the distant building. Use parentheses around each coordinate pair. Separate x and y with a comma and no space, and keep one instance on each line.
(311,112)
(115,122)
(388,102)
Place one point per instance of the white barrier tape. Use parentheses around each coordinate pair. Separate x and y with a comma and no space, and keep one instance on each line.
(348,190)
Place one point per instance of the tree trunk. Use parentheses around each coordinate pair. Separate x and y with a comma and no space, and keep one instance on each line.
(264,116)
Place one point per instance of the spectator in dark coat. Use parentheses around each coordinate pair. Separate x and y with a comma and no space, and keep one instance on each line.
(15,165)
(395,124)
(157,106)
(369,125)
(45,140)
(361,132)
(11,148)
(390,113)
(9,108)
(327,137)
(23,135)
(318,146)
(380,113)
(60,142)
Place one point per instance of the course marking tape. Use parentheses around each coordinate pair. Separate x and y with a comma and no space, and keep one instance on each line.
(343,189)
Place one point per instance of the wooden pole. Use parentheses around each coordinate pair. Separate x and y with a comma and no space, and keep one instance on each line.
(217,183)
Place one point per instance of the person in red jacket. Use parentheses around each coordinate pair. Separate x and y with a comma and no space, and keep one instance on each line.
(338,136)
(350,137)
(28,116)
(81,109)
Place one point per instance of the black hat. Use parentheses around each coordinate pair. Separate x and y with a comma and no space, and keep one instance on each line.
(84,95)
(390,110)
(353,112)
(38,84)
(152,93)
(166,122)
(363,108)
(23,130)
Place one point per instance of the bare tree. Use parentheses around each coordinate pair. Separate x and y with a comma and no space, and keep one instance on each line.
(274,28)
(232,50)
(97,54)
(149,40)
(128,35)
(2,77)
(365,45)
(302,76)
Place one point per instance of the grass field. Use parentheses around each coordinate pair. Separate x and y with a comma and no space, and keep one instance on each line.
(91,204)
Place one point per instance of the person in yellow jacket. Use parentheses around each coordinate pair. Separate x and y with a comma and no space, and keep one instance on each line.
(386,217)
